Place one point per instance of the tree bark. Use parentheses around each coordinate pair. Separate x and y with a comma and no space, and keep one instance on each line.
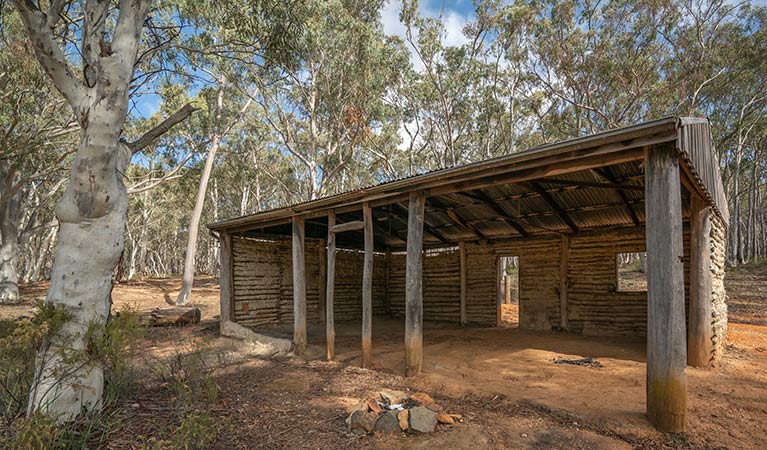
(185,293)
(9,243)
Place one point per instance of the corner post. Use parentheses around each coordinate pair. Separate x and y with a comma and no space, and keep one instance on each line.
(226,283)
(666,334)
(330,328)
(367,288)
(299,286)
(414,285)
(699,332)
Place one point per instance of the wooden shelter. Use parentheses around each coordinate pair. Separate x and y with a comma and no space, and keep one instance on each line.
(427,247)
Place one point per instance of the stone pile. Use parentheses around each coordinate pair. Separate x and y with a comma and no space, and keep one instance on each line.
(396,411)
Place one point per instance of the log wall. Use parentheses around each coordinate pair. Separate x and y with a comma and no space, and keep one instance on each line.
(263,283)
(263,289)
(441,285)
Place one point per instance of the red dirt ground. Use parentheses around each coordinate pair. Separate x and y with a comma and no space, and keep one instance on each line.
(503,381)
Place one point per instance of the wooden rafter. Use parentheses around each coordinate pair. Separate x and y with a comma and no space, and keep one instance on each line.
(537,188)
(606,173)
(454,217)
(612,184)
(491,203)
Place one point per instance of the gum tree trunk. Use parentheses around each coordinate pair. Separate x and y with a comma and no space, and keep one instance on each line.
(92,210)
(9,248)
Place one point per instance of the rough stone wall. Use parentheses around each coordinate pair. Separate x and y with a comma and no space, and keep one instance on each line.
(718,297)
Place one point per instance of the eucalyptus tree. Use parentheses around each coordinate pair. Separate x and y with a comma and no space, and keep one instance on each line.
(229,41)
(35,140)
(327,109)
(89,50)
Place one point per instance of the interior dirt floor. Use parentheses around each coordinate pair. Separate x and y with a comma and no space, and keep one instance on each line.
(502,380)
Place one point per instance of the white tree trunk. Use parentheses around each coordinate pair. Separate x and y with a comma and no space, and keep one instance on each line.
(92,216)
(194,227)
(9,249)
(92,211)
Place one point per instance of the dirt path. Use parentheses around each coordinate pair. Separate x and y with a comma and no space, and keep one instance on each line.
(503,381)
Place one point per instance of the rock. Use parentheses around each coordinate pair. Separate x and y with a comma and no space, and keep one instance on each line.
(445,418)
(359,406)
(422,420)
(388,423)
(422,398)
(391,397)
(374,406)
(435,407)
(362,420)
(403,416)
(262,345)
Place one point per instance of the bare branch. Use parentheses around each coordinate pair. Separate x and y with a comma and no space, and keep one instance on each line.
(153,134)
(50,55)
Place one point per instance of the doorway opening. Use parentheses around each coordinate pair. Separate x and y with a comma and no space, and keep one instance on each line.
(508,291)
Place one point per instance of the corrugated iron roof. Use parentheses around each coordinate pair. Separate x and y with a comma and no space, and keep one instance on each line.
(575,194)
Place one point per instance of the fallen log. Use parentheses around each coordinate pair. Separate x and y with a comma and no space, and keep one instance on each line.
(160,317)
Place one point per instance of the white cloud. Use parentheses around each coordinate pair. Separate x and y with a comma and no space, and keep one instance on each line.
(452,20)
(454,24)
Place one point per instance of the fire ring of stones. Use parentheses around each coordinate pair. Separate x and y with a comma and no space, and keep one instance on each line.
(397,411)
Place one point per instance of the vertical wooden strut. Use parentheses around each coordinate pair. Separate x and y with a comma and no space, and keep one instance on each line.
(498,294)
(387,294)
(563,268)
(330,327)
(226,283)
(666,336)
(323,279)
(462,256)
(299,286)
(367,288)
(413,285)
(699,332)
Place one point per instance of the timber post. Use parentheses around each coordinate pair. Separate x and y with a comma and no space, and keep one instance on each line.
(563,281)
(699,332)
(666,336)
(299,286)
(226,290)
(367,288)
(323,273)
(463,279)
(330,328)
(414,285)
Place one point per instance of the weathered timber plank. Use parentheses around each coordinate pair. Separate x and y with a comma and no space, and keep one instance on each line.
(666,334)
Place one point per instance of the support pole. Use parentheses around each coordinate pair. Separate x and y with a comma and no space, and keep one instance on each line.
(462,257)
(226,290)
(498,292)
(387,296)
(323,279)
(699,332)
(666,336)
(413,285)
(299,286)
(330,327)
(367,288)
(563,274)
